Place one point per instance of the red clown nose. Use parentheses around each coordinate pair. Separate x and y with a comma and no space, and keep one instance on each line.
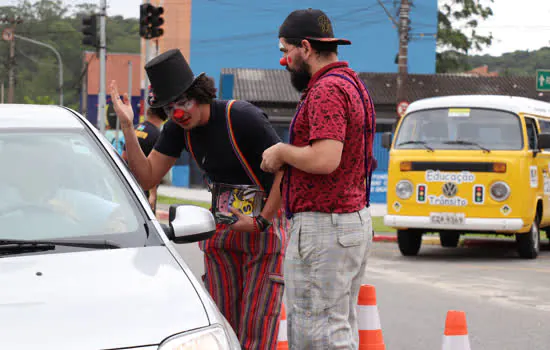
(283,61)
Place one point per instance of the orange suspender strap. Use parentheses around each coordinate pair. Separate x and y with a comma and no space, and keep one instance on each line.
(246,166)
(190,148)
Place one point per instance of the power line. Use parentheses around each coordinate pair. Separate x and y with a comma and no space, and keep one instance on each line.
(388,13)
(259,46)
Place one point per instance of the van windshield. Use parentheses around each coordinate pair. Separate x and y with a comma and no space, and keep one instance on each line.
(460,128)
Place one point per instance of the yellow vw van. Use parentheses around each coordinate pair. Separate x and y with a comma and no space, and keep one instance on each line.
(470,164)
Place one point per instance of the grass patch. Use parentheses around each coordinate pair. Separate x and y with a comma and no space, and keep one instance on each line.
(378,225)
(171,200)
(377,221)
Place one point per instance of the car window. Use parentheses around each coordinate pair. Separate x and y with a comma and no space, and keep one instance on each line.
(60,184)
(441,128)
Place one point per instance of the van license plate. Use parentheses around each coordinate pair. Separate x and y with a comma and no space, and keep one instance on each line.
(447,218)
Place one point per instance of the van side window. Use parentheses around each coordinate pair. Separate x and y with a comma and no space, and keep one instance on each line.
(531,132)
(544,126)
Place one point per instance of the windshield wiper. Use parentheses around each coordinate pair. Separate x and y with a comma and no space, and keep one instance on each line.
(418,142)
(51,244)
(468,143)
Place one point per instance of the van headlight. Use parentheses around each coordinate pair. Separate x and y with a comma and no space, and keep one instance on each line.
(404,189)
(499,191)
(212,338)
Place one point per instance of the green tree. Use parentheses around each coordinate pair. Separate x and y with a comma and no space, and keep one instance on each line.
(57,23)
(454,40)
(40,100)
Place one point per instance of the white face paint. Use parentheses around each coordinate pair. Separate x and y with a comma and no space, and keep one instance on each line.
(281,46)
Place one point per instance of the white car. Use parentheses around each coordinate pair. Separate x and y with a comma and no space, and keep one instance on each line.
(84,263)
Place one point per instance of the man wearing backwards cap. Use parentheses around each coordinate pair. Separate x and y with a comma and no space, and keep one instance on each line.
(328,164)
(244,258)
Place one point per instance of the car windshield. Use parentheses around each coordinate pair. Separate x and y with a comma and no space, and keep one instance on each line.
(59,184)
(460,128)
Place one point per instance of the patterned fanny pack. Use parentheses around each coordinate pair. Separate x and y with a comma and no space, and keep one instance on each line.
(247,199)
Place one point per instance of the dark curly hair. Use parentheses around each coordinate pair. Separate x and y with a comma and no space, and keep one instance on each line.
(203,90)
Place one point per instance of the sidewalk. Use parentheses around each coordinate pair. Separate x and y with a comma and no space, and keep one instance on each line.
(202,195)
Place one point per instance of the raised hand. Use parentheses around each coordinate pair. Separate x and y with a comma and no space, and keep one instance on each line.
(123,108)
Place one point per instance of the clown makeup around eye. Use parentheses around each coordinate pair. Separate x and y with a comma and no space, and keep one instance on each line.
(184,105)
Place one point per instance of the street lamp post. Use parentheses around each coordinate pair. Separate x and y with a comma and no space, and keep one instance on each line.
(58,58)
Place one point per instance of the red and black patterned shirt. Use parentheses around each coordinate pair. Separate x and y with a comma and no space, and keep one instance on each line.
(331,108)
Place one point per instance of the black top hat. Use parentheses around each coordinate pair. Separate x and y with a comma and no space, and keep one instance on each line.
(170,76)
(310,24)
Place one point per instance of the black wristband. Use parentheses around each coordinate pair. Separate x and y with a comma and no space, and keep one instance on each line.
(263,223)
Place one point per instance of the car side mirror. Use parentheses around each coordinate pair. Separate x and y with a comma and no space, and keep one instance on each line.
(189,223)
(544,140)
(386,139)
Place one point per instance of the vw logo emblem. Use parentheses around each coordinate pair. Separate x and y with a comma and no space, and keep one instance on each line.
(450,189)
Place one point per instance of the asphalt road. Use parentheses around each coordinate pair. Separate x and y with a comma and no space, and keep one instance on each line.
(506,299)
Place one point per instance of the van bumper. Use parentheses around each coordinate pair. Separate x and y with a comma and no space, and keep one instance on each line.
(473,224)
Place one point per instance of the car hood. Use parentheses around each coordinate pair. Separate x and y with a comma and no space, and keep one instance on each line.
(99,299)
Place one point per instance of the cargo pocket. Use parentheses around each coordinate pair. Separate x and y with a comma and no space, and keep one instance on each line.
(275,284)
(275,288)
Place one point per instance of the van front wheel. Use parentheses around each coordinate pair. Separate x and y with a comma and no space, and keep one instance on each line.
(409,241)
(529,242)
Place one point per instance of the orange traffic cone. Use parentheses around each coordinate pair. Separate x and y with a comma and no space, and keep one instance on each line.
(282,338)
(368,320)
(456,332)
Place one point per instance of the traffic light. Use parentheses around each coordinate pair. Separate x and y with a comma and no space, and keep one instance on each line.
(89,29)
(157,21)
(150,21)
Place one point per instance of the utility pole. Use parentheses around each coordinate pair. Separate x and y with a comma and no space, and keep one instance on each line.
(11,74)
(8,35)
(403,50)
(402,61)
(102,100)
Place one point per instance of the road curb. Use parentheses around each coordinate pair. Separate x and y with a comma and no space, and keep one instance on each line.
(384,238)
(162,214)
(393,239)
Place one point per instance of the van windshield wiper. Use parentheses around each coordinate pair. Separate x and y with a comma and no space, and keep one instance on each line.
(416,142)
(23,245)
(468,143)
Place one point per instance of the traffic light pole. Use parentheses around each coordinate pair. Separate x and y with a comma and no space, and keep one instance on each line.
(150,21)
(60,62)
(146,90)
(102,101)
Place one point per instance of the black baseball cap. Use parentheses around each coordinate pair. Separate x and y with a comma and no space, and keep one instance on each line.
(310,24)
